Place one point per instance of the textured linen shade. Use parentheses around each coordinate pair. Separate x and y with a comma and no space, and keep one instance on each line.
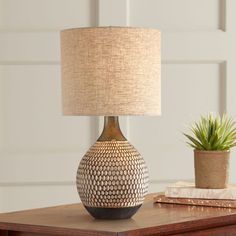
(111,71)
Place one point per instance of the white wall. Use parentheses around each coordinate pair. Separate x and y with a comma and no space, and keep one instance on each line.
(40,149)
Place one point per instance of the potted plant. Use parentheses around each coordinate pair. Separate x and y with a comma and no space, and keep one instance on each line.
(212,137)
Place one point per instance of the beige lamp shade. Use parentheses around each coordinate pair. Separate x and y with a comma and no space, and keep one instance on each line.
(111,71)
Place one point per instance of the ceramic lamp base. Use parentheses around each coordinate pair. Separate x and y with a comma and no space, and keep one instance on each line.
(112,178)
(112,213)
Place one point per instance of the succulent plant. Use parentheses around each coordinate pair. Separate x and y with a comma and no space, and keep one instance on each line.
(213,133)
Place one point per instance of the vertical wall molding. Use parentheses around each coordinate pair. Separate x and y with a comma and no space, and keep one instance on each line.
(231,57)
(223,88)
(222,15)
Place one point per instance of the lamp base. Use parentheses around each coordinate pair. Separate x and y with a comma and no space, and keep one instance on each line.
(112,213)
(112,178)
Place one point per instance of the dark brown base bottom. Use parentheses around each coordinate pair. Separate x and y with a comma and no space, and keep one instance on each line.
(112,213)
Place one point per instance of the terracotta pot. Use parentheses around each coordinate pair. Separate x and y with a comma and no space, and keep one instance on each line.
(211,169)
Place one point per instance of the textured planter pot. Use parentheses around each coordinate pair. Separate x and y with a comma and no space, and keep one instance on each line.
(211,169)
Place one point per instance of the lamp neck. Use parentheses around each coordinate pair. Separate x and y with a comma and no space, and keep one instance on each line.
(111,130)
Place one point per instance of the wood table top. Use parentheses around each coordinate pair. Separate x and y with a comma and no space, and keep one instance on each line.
(153,218)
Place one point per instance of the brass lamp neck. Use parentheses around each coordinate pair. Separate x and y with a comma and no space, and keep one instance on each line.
(111,130)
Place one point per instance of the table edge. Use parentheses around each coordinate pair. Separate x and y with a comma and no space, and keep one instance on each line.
(179,227)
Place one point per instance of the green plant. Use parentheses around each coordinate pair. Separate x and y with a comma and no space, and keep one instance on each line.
(213,133)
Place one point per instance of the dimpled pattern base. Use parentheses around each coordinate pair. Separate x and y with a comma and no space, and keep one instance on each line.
(112,174)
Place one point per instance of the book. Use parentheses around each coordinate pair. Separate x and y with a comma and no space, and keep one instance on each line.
(161,198)
(188,190)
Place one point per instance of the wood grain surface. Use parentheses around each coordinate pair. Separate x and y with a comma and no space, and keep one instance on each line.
(151,219)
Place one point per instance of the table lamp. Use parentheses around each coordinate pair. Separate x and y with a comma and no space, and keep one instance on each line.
(111,72)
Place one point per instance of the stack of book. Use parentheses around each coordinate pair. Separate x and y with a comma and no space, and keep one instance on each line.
(185,193)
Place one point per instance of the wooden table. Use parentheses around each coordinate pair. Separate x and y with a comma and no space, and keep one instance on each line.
(151,219)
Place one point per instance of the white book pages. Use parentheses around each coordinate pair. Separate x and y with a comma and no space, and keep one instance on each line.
(188,190)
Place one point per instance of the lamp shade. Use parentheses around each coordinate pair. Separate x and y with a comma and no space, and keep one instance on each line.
(111,71)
